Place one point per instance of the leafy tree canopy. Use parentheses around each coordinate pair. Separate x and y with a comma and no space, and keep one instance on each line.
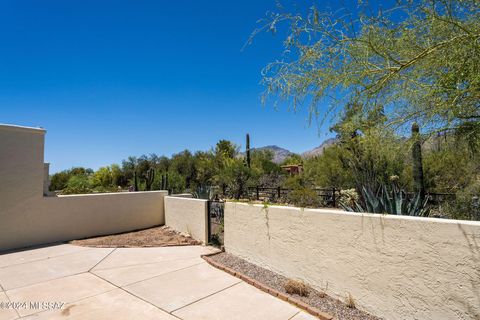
(419,60)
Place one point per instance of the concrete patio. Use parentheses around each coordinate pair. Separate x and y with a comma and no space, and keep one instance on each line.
(72,282)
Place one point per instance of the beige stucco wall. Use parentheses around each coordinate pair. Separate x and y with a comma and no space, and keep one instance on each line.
(28,218)
(62,218)
(187,215)
(46,180)
(21,165)
(395,267)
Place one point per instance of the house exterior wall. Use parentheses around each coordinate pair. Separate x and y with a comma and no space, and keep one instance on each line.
(28,218)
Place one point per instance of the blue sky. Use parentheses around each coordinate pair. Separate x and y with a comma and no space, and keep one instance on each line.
(110,79)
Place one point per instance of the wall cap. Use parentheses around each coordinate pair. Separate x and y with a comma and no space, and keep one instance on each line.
(110,194)
(367,215)
(186,199)
(12,127)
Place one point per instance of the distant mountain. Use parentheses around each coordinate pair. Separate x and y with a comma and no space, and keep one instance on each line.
(279,154)
(319,150)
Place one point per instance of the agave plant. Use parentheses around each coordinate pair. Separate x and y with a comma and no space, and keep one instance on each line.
(394,202)
(203,192)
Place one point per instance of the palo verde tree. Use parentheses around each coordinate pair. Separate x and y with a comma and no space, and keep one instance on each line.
(420,60)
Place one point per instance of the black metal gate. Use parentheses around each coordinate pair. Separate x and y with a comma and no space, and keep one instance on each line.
(215,222)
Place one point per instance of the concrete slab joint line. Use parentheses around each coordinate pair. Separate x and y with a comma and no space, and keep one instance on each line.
(298,303)
(102,259)
(196,291)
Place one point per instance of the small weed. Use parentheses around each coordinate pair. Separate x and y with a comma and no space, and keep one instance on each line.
(350,302)
(323,292)
(297,287)
(266,204)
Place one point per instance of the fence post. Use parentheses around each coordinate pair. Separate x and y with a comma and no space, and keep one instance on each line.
(279,192)
(334,199)
(258,193)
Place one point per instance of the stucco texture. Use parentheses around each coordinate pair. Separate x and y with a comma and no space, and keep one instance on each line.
(187,215)
(28,218)
(394,267)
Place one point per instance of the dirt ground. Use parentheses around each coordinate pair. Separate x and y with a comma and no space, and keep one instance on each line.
(153,237)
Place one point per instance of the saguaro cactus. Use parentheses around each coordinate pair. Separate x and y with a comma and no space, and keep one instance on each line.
(149,179)
(135,182)
(248,150)
(164,185)
(419,183)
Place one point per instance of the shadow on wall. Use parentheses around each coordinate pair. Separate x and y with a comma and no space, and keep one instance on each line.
(475,286)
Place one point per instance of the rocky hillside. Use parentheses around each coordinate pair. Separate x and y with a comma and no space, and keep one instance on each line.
(319,150)
(279,154)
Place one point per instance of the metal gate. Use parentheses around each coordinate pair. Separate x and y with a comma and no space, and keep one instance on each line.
(215,222)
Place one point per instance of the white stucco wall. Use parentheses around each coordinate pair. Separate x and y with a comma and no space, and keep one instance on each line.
(394,267)
(187,215)
(28,218)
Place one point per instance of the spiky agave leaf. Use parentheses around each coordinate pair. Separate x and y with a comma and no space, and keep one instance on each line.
(397,203)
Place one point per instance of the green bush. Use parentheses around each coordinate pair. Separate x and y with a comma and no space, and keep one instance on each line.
(466,205)
(304,197)
(78,184)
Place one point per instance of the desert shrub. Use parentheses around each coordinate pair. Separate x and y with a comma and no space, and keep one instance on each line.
(59,180)
(327,170)
(294,182)
(296,287)
(107,189)
(466,205)
(349,197)
(78,184)
(272,180)
(304,197)
(448,170)
(176,182)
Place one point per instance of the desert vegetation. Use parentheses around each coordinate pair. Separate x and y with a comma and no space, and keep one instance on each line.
(400,87)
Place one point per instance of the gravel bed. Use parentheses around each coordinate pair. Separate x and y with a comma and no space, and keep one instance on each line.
(153,237)
(315,298)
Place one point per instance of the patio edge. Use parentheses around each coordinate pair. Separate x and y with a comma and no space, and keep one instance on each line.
(300,304)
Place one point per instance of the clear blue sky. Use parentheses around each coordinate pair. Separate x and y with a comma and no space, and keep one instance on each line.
(110,79)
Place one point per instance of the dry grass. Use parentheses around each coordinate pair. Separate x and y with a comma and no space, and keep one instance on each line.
(349,301)
(297,287)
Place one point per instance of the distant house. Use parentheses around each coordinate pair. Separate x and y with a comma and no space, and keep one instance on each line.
(293,169)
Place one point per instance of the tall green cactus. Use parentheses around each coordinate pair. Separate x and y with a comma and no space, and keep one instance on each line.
(149,179)
(248,150)
(164,183)
(135,181)
(419,184)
